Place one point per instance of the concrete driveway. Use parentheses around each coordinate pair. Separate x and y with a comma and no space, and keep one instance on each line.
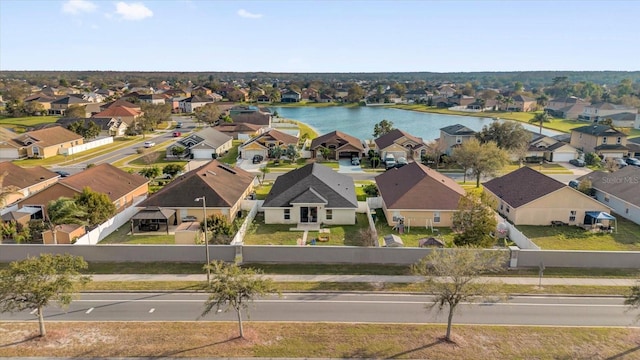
(578,171)
(346,167)
(248,165)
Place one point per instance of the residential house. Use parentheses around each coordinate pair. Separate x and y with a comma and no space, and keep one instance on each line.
(223,188)
(201,91)
(124,114)
(60,106)
(47,142)
(446,91)
(177,93)
(339,144)
(461,100)
(207,143)
(453,136)
(566,107)
(240,131)
(624,120)
(9,149)
(190,104)
(522,103)
(527,197)
(263,99)
(23,181)
(123,103)
(619,190)
(601,139)
(311,195)
(324,98)
(42,100)
(154,99)
(600,111)
(632,144)
(418,196)
(401,144)
(259,118)
(310,94)
(547,148)
(261,144)
(93,97)
(416,95)
(121,187)
(108,126)
(289,96)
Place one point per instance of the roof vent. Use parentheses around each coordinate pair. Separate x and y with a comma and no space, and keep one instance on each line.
(210,172)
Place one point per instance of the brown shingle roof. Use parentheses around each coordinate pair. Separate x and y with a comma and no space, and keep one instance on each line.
(522,186)
(106,179)
(391,137)
(415,186)
(49,136)
(116,111)
(221,185)
(353,141)
(284,138)
(24,177)
(256,118)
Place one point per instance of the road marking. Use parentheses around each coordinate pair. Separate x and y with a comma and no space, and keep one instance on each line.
(33,312)
(89,311)
(152,310)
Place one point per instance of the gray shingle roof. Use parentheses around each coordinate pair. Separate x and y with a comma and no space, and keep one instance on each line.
(313,182)
(623,183)
(599,130)
(522,186)
(457,129)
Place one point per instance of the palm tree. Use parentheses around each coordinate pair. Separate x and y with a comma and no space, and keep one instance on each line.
(540,118)
(499,100)
(508,100)
(64,211)
(542,100)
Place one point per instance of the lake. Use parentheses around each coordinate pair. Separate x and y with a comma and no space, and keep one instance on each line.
(359,121)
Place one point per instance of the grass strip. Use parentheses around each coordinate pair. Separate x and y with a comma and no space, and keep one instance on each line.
(315,340)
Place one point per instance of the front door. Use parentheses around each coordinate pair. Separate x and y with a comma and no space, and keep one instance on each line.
(308,214)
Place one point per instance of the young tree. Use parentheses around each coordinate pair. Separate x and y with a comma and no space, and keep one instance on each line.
(172,169)
(154,114)
(482,159)
(540,118)
(76,111)
(355,93)
(233,287)
(178,150)
(98,206)
(383,127)
(64,211)
(474,221)
(219,229)
(33,283)
(462,268)
(371,190)
(263,173)
(508,100)
(210,113)
(325,152)
(150,172)
(92,130)
(292,153)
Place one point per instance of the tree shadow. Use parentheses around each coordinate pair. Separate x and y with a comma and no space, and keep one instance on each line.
(623,354)
(177,352)
(104,306)
(27,339)
(441,340)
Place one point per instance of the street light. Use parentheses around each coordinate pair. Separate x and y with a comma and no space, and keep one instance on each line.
(206,244)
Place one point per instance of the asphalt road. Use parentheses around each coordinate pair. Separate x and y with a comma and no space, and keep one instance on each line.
(345,307)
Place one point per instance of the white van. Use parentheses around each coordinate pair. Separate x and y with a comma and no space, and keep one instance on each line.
(389,161)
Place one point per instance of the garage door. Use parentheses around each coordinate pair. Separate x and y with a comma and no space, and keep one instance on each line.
(8,153)
(563,156)
(348,154)
(248,154)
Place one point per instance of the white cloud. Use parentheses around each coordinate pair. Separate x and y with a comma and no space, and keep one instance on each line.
(78,6)
(245,14)
(133,11)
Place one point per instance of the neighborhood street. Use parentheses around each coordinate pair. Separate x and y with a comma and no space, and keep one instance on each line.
(346,307)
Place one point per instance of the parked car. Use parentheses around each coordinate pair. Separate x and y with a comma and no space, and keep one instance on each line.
(355,161)
(401,162)
(577,162)
(574,184)
(62,173)
(189,218)
(149,144)
(620,162)
(257,159)
(389,161)
(178,125)
(633,162)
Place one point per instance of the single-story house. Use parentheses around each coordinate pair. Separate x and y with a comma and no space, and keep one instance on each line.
(313,194)
(528,197)
(550,149)
(401,144)
(340,145)
(418,195)
(261,144)
(222,186)
(240,131)
(109,126)
(619,190)
(18,182)
(47,142)
(207,143)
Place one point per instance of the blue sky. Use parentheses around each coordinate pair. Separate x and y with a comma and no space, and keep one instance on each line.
(319,36)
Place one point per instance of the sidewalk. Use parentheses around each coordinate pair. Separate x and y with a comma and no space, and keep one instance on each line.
(375,279)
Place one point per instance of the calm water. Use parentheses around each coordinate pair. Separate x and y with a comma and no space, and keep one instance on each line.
(359,121)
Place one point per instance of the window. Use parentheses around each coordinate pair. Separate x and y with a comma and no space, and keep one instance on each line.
(572,215)
(508,209)
(626,211)
(436,217)
(458,139)
(604,139)
(619,140)
(287,214)
(329,214)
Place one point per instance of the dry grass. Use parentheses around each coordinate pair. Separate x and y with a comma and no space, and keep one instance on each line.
(377,341)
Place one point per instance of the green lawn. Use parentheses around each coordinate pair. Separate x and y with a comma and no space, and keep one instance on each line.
(279,234)
(412,233)
(232,156)
(575,238)
(545,168)
(19,123)
(263,190)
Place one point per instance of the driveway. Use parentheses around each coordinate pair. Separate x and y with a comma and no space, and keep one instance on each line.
(347,168)
(578,171)
(248,165)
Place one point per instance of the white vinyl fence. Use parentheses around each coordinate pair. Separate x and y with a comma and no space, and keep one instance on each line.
(105,229)
(86,146)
